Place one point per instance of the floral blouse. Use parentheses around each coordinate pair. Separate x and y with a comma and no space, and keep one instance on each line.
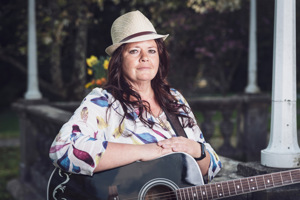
(83,139)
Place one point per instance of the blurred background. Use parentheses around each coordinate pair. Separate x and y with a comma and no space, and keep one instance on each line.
(208,46)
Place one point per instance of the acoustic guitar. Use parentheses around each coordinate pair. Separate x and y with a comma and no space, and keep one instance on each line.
(174,176)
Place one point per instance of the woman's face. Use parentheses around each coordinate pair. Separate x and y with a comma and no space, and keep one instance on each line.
(140,62)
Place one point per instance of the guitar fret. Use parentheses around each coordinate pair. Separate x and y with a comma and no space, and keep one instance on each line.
(286,178)
(252,183)
(195,194)
(272,180)
(245,185)
(225,189)
(238,186)
(212,194)
(188,193)
(260,183)
(202,192)
(269,181)
(232,189)
(199,193)
(220,190)
(228,188)
(290,173)
(208,192)
(214,190)
(276,179)
(296,175)
(178,194)
(184,194)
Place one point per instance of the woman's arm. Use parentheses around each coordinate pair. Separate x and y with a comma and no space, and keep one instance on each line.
(118,154)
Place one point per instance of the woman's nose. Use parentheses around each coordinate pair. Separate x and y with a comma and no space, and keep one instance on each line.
(144,57)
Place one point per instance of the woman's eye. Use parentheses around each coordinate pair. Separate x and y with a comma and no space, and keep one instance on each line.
(152,51)
(133,51)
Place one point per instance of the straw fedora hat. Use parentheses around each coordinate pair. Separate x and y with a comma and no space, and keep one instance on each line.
(131,27)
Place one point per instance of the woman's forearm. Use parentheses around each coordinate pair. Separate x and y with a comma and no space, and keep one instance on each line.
(118,154)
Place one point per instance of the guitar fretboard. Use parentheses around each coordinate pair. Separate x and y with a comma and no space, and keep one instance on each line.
(240,186)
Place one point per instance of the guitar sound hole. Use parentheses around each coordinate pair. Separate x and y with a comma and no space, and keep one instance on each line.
(160,192)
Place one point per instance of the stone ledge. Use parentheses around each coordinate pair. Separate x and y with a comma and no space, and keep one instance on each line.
(22,191)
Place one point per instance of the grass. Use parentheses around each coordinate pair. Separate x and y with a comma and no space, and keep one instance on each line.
(9,124)
(9,169)
(9,156)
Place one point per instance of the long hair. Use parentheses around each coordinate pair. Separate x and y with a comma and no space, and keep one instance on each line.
(122,91)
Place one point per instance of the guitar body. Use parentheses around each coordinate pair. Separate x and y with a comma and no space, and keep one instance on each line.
(139,180)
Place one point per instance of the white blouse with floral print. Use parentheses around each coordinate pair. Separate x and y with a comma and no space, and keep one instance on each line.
(83,139)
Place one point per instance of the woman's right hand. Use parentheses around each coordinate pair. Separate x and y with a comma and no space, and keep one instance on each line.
(152,151)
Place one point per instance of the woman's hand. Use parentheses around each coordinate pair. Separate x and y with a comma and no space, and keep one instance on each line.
(153,151)
(191,147)
(182,144)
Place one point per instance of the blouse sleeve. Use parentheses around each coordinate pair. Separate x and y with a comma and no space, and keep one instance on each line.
(196,133)
(83,139)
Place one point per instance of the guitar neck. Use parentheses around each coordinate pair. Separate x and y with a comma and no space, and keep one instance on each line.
(240,186)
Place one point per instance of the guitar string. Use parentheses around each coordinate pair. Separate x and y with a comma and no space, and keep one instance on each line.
(162,196)
(246,183)
(173,194)
(275,176)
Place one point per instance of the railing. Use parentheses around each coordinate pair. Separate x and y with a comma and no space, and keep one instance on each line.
(40,121)
(242,125)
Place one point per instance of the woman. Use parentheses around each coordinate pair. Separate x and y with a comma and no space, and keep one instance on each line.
(125,121)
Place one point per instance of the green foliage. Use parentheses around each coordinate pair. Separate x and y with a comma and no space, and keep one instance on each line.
(9,169)
(97,68)
(202,6)
(9,156)
(9,125)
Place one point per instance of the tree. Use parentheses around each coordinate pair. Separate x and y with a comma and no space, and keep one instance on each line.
(207,43)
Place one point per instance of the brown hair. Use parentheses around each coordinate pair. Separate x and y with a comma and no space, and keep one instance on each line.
(122,91)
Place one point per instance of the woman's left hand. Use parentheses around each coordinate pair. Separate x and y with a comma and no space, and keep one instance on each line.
(191,147)
(182,144)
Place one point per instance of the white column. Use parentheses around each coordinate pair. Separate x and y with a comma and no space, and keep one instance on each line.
(252,58)
(283,149)
(32,82)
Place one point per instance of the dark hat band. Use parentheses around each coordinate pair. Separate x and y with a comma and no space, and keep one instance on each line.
(137,35)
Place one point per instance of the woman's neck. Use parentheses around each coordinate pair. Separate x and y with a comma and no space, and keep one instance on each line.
(145,91)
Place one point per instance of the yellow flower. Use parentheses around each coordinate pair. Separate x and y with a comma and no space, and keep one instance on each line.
(91,61)
(89,71)
(105,64)
(88,84)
